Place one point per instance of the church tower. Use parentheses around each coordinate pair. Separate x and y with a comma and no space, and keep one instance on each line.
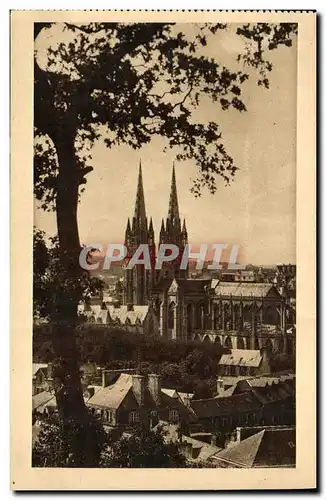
(172,232)
(138,280)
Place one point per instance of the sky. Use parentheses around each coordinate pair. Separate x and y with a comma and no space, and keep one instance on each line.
(257,211)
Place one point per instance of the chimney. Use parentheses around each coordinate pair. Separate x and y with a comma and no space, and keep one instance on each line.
(90,391)
(186,400)
(219,385)
(138,385)
(154,387)
(105,378)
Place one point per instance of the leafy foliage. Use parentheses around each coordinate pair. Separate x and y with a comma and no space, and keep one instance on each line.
(189,367)
(69,444)
(264,37)
(130,82)
(50,279)
(143,448)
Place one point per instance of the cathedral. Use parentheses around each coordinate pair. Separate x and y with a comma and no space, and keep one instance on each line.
(233,314)
(140,282)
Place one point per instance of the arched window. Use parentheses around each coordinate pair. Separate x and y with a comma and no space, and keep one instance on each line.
(171,316)
(215,317)
(133,417)
(240,343)
(236,311)
(269,345)
(228,342)
(189,318)
(200,316)
(281,345)
(150,325)
(157,308)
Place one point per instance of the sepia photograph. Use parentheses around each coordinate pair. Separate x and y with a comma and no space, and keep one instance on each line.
(165,242)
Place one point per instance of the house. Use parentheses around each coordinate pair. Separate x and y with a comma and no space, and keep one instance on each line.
(193,449)
(42,401)
(39,377)
(246,406)
(259,447)
(130,318)
(248,362)
(127,398)
(221,415)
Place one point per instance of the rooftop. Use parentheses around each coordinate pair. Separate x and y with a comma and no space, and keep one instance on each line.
(242,357)
(269,447)
(240,289)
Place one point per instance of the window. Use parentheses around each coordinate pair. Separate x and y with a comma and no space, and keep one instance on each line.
(133,417)
(173,416)
(109,416)
(171,316)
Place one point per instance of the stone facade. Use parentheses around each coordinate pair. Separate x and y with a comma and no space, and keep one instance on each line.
(238,313)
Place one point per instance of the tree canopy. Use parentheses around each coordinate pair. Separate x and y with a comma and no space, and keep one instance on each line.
(129,82)
(125,83)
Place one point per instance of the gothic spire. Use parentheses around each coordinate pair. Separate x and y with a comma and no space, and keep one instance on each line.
(184,228)
(162,227)
(128,228)
(140,211)
(150,228)
(173,203)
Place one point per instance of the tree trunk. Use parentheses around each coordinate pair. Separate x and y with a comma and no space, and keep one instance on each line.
(66,376)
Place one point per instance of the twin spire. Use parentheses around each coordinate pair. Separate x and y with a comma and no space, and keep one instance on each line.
(140,219)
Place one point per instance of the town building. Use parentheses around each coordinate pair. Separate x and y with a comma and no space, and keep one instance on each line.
(259,447)
(249,406)
(126,399)
(234,310)
(244,362)
(139,281)
(39,377)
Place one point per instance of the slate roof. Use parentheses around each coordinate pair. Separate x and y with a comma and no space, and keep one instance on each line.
(239,289)
(112,395)
(193,285)
(276,392)
(123,315)
(120,315)
(242,357)
(37,366)
(41,399)
(215,407)
(267,448)
(225,393)
(170,392)
(188,285)
(264,380)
